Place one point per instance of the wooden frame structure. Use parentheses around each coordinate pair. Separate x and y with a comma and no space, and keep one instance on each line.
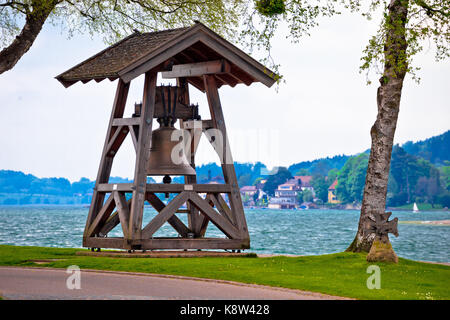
(177,54)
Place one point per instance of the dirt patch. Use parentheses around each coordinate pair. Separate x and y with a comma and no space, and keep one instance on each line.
(164,254)
(44,261)
(432,223)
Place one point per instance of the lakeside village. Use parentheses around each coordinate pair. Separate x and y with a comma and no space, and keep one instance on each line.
(296,193)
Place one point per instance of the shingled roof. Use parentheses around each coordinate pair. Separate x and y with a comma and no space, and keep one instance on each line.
(141,52)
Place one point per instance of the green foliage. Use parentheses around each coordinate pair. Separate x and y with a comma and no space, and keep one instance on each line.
(302,172)
(412,179)
(351,179)
(307,195)
(270,8)
(435,149)
(115,19)
(341,274)
(252,23)
(274,180)
(247,173)
(257,180)
(445,176)
(332,175)
(427,22)
(21,188)
(319,166)
(444,199)
(18,182)
(321,185)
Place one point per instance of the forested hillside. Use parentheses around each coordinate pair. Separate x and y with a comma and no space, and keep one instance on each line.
(435,149)
(420,172)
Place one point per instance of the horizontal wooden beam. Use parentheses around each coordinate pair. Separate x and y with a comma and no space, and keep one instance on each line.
(201,124)
(197,69)
(167,243)
(126,122)
(109,187)
(163,188)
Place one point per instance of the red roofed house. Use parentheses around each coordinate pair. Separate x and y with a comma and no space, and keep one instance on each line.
(305,183)
(248,190)
(247,193)
(332,197)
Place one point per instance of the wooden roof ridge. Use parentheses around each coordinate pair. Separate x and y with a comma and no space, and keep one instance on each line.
(247,56)
(127,63)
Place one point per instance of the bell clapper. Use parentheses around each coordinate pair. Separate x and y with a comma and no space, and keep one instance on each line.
(167,179)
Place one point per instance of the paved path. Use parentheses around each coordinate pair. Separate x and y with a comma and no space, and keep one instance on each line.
(34,283)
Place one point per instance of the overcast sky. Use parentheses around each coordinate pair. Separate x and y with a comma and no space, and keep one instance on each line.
(325,107)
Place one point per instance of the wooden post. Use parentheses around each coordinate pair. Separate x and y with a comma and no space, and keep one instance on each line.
(194,214)
(237,209)
(106,159)
(142,155)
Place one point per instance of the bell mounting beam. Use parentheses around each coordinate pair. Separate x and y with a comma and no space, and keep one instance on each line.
(197,69)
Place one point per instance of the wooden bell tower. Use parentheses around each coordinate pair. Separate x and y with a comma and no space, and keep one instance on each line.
(193,56)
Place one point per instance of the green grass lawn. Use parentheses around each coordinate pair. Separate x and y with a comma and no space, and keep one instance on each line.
(342,274)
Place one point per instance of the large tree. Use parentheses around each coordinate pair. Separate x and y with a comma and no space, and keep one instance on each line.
(404,28)
(22,21)
(405,24)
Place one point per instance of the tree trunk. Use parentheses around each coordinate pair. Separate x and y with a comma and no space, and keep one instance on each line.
(382,132)
(34,21)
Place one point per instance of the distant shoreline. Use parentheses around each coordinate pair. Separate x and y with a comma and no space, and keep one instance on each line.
(86,206)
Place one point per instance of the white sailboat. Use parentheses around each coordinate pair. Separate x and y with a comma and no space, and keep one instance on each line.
(415,208)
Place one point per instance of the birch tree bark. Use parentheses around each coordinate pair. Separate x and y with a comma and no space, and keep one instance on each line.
(383,130)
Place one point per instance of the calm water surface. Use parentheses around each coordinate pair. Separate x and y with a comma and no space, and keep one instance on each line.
(309,232)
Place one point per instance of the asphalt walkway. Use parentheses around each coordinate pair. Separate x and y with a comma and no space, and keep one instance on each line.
(44,283)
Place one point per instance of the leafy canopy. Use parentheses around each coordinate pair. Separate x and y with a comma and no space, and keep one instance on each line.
(116,19)
(427,23)
(256,21)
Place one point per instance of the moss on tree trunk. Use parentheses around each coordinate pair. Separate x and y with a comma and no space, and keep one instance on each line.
(382,251)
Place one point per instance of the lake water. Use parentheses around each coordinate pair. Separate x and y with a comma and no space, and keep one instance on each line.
(308,232)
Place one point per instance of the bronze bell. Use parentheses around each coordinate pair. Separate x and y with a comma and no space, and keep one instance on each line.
(160,162)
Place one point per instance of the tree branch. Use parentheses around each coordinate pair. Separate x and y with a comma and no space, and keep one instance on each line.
(21,7)
(430,11)
(34,21)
